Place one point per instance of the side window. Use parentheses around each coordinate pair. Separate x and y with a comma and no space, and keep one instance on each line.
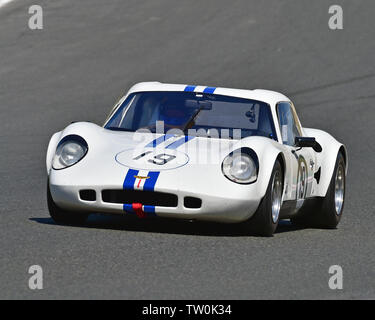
(287,122)
(114,108)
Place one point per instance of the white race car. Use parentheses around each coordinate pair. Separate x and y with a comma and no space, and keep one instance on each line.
(198,153)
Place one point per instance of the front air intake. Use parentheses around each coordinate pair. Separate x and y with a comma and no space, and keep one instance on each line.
(87,195)
(149,198)
(192,202)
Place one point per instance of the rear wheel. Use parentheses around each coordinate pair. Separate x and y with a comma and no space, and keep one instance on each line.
(265,220)
(327,213)
(62,216)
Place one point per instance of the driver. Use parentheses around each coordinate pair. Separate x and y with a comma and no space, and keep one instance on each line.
(174,116)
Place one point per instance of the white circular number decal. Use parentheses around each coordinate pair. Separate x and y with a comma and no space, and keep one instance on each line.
(301,179)
(152,159)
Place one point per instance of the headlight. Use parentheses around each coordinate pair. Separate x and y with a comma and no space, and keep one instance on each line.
(241,166)
(69,151)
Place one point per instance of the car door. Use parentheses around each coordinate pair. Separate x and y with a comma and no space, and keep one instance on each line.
(302,159)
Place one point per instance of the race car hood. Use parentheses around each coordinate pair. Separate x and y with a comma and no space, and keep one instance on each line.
(152,161)
(150,151)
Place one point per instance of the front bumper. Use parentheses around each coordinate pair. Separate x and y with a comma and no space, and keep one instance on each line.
(228,209)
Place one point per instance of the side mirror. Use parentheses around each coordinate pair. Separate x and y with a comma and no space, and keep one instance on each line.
(307,142)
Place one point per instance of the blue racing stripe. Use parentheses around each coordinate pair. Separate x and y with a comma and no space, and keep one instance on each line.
(190,88)
(159,140)
(179,142)
(130,179)
(209,90)
(150,210)
(128,208)
(150,182)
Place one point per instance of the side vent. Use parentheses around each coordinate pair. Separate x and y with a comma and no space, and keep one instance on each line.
(317,175)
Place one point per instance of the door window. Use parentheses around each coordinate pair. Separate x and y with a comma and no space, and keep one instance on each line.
(288,124)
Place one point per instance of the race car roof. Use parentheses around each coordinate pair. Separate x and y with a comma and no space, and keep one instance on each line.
(270,97)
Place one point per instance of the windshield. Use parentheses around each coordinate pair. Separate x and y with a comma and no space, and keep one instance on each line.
(189,111)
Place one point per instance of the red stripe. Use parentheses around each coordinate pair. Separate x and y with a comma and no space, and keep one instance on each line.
(137,207)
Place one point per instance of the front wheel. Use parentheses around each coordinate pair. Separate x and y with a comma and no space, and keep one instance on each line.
(265,220)
(62,216)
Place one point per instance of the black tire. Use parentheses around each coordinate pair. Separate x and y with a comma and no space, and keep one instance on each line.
(261,223)
(62,216)
(324,214)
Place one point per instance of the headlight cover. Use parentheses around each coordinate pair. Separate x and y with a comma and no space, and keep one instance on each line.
(70,150)
(241,166)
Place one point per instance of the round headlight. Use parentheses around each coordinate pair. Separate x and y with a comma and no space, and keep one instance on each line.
(240,167)
(69,151)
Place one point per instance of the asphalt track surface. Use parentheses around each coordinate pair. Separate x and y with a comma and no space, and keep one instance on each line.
(92,51)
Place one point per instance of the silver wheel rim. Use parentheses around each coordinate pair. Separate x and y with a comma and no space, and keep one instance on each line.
(339,189)
(277,190)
